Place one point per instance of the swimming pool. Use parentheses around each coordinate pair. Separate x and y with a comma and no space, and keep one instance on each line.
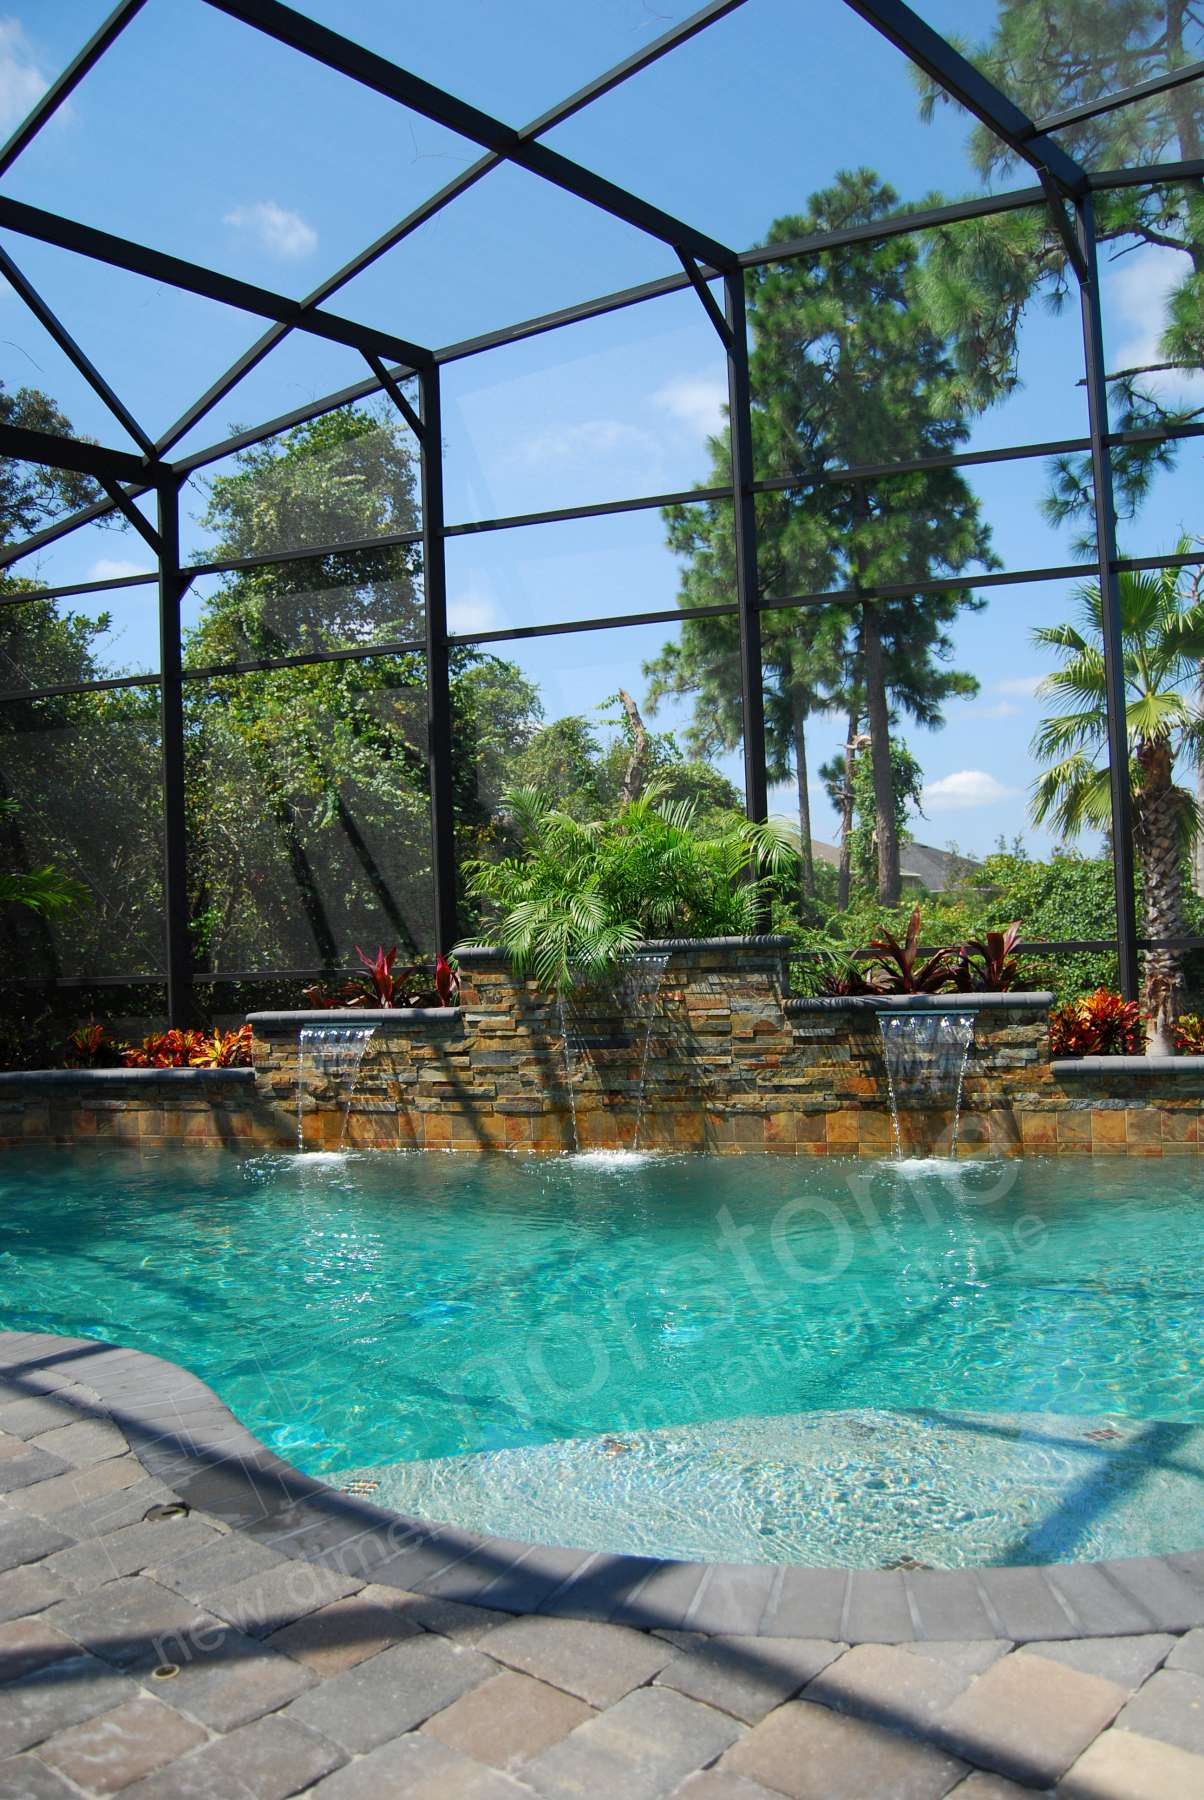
(359,1313)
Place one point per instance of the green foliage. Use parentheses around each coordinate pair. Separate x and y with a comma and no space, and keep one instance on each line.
(1069,896)
(1162,637)
(980,277)
(908,785)
(31,494)
(578,897)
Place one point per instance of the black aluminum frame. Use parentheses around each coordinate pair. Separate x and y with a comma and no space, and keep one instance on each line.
(1064,186)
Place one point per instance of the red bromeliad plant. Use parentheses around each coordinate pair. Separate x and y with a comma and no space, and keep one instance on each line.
(1098,1024)
(986,965)
(380,972)
(895,967)
(382,988)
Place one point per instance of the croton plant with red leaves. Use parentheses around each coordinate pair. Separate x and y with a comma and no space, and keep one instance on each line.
(1100,1024)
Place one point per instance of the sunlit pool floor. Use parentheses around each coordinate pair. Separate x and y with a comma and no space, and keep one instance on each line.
(861,1488)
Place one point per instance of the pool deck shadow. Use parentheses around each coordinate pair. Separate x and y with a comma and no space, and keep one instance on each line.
(173,1587)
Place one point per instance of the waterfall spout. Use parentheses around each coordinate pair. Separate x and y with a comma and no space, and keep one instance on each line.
(925,1055)
(335,1052)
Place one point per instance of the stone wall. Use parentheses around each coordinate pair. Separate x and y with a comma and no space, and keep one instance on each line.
(703,1051)
(150,1108)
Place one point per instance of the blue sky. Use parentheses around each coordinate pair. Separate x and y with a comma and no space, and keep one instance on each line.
(202,138)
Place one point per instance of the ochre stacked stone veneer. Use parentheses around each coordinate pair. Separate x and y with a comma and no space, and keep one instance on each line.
(729,1064)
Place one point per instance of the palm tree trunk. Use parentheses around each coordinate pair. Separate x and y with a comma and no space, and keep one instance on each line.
(1197,855)
(1159,839)
(844,877)
(878,720)
(798,723)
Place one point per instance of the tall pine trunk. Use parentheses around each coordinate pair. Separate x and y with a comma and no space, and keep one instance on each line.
(844,877)
(878,721)
(798,722)
(1159,839)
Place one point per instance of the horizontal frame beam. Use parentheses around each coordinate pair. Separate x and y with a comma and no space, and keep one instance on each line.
(1142,90)
(175,271)
(51,451)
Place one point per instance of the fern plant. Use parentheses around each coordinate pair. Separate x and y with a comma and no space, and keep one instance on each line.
(578,898)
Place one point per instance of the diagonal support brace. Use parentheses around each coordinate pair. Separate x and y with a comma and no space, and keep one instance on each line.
(125,505)
(698,282)
(396,394)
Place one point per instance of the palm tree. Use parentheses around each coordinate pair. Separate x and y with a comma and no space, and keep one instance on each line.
(1162,639)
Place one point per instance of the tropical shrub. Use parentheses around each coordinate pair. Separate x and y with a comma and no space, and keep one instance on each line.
(90,1046)
(1098,1024)
(382,989)
(190,1050)
(895,967)
(1189,1034)
(577,898)
(1162,649)
(223,1050)
(47,890)
(987,965)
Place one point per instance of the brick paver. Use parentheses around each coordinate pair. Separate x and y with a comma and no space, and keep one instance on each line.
(186,1659)
(508,1720)
(1122,1765)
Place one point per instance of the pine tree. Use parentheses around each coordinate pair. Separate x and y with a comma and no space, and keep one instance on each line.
(845,371)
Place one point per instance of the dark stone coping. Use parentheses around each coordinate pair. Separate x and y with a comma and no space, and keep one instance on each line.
(399,1017)
(1128,1065)
(779,943)
(936,1003)
(184,1435)
(86,1078)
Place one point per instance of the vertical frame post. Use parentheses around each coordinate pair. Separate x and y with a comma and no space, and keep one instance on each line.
(1105,531)
(739,399)
(172,585)
(439,733)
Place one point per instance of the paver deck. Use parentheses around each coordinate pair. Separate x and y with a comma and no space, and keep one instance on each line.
(184,1617)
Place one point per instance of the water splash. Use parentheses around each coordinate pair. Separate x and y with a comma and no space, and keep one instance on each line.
(336,1052)
(925,1055)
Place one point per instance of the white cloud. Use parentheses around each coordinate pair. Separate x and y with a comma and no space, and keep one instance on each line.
(111,568)
(696,401)
(1000,709)
(471,611)
(967,788)
(1022,686)
(589,438)
(1138,289)
(279,231)
(22,81)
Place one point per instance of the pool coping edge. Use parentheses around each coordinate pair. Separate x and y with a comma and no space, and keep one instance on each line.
(187,1438)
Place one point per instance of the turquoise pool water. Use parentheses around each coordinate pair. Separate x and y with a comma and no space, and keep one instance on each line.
(361,1312)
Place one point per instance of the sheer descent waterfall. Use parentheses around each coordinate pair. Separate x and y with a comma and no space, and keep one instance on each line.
(335,1051)
(925,1055)
(636,998)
